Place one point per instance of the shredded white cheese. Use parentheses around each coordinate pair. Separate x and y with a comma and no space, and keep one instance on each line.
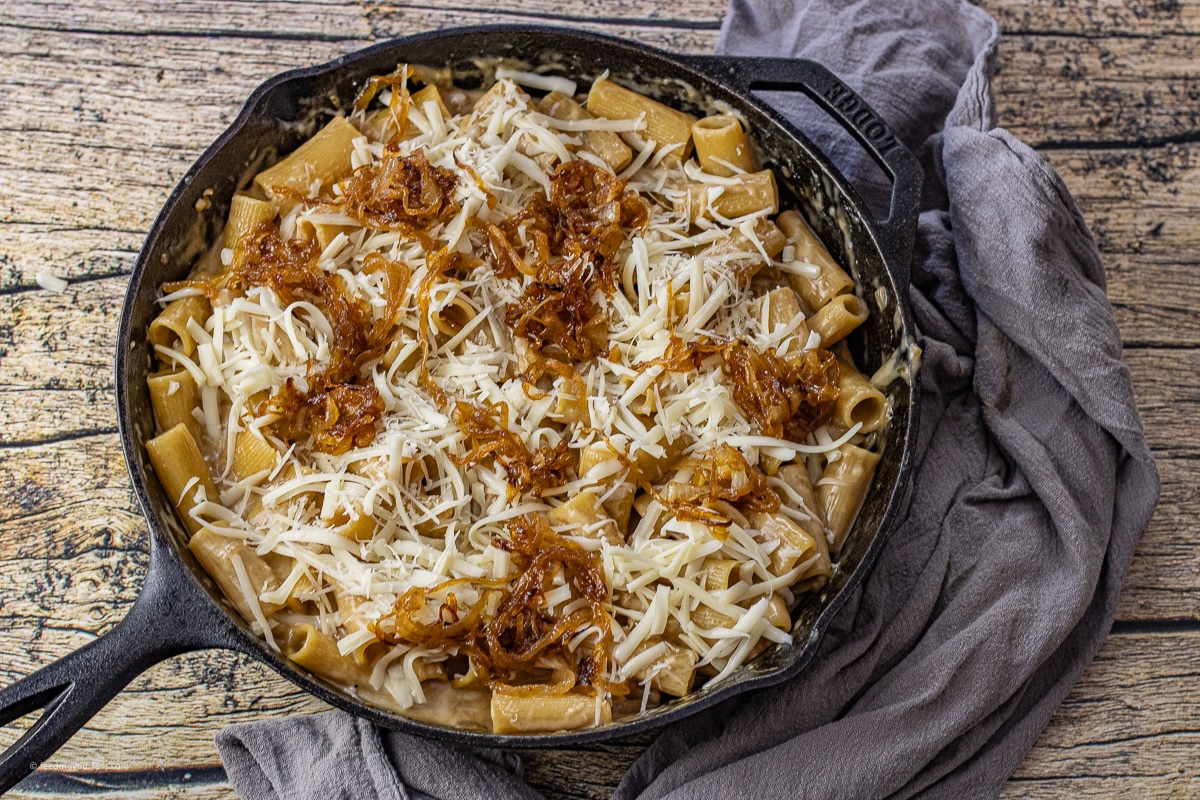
(433,518)
(50,282)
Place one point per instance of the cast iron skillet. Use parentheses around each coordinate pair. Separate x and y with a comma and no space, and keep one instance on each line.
(180,609)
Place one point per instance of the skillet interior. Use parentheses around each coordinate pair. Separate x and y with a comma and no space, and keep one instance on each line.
(285,110)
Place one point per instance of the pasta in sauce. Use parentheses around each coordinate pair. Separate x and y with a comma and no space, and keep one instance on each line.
(515,410)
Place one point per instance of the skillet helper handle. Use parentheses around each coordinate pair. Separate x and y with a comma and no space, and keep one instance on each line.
(73,689)
(898,231)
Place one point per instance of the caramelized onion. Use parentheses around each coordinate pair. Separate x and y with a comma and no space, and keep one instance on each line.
(521,636)
(787,398)
(486,427)
(339,414)
(339,417)
(398,80)
(563,319)
(583,222)
(784,398)
(401,193)
(505,259)
(721,474)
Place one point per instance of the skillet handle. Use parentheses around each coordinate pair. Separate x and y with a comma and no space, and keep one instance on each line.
(898,231)
(73,689)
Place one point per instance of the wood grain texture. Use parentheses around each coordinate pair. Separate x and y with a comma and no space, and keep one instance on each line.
(1066,90)
(1139,204)
(1097,17)
(95,788)
(167,718)
(1130,727)
(104,106)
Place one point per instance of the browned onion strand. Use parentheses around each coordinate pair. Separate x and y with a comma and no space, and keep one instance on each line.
(336,408)
(508,646)
(562,320)
(397,81)
(787,398)
(486,427)
(401,193)
(583,223)
(722,474)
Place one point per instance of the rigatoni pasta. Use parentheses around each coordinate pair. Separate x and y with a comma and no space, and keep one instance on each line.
(504,412)
(669,129)
(721,146)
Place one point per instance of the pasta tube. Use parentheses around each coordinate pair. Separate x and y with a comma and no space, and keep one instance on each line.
(665,126)
(796,477)
(216,553)
(721,146)
(324,158)
(750,258)
(360,528)
(607,145)
(318,653)
(716,576)
(795,543)
(757,192)
(170,326)
(430,94)
(521,713)
(831,281)
(453,317)
(585,516)
(843,487)
(283,566)
(672,673)
(838,318)
(245,214)
(181,469)
(252,454)
(174,398)
(859,402)
(454,707)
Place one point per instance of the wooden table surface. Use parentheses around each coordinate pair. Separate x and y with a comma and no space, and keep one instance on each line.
(105,103)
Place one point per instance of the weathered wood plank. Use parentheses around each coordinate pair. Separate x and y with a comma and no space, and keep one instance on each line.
(333,20)
(1068,90)
(1163,581)
(1049,89)
(313,19)
(66,499)
(84,250)
(1168,390)
(1130,727)
(202,791)
(32,416)
(1097,17)
(300,19)
(590,772)
(167,718)
(62,340)
(1139,204)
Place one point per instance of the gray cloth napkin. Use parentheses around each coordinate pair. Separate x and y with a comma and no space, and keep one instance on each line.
(1031,484)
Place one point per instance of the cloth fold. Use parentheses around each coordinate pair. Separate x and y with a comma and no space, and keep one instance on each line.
(1031,484)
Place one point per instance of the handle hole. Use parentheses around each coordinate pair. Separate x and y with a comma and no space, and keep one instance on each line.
(873,185)
(19,719)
